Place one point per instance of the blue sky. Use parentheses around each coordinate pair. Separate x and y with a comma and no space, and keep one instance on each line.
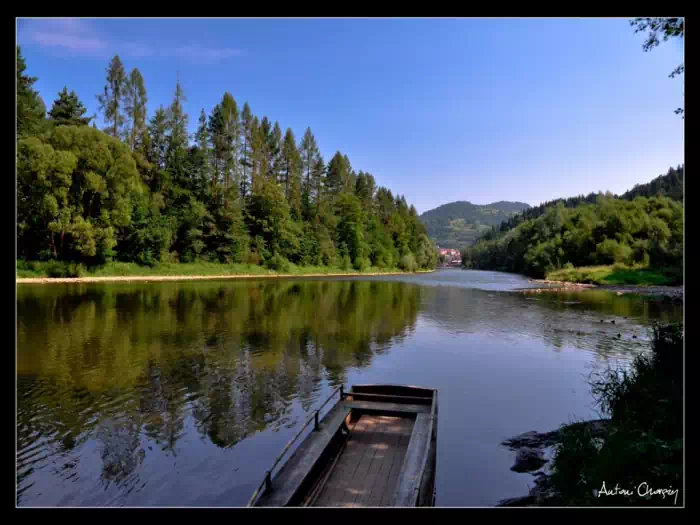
(437,109)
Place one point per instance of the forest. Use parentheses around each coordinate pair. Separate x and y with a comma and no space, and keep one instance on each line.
(239,191)
(642,229)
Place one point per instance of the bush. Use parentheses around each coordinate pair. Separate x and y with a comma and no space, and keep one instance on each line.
(643,441)
(568,266)
(408,263)
(345,263)
(361,264)
(610,251)
(64,269)
(278,263)
(76,270)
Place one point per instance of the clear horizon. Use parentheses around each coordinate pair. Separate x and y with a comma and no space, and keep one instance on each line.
(438,110)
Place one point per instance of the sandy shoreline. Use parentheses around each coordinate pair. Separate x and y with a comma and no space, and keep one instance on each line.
(676,292)
(146,278)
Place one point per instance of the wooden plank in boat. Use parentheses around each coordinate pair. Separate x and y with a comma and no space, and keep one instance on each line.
(387,407)
(410,476)
(297,468)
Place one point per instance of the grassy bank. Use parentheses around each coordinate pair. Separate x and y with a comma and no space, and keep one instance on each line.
(617,274)
(642,448)
(55,269)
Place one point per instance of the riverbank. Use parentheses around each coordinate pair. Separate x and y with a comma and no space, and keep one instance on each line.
(128,272)
(671,292)
(620,275)
(633,458)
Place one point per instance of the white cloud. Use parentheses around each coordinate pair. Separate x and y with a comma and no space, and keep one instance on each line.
(72,36)
(66,34)
(199,53)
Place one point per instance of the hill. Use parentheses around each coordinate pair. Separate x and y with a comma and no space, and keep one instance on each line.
(458,224)
(669,185)
(634,238)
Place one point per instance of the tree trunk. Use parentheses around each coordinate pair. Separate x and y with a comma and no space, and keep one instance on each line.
(53,247)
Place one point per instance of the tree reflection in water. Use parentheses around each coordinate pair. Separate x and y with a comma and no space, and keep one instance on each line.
(114,363)
(122,369)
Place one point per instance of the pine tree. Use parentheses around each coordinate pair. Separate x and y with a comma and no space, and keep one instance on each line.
(275,148)
(247,137)
(291,167)
(201,137)
(231,140)
(178,120)
(67,110)
(258,155)
(365,187)
(111,101)
(215,133)
(309,154)
(135,100)
(318,176)
(158,129)
(31,110)
(349,175)
(337,176)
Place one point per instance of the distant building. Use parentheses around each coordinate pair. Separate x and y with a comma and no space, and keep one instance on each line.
(450,256)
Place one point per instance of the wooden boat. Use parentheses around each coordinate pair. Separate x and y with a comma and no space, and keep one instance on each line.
(375,447)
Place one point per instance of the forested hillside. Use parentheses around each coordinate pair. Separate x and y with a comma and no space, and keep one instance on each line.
(242,191)
(458,224)
(633,231)
(669,185)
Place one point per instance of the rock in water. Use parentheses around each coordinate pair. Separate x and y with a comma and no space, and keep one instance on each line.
(528,459)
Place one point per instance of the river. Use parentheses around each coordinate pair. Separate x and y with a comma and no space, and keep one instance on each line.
(183,393)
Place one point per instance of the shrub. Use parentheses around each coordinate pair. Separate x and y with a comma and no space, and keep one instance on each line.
(76,270)
(408,263)
(361,264)
(278,263)
(610,251)
(643,440)
(345,263)
(64,269)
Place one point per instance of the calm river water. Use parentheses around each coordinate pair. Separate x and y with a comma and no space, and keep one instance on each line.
(183,393)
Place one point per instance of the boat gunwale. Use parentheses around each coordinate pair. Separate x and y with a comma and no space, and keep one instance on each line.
(398,399)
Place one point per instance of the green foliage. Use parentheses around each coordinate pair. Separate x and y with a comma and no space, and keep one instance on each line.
(50,269)
(77,187)
(345,263)
(241,194)
(278,263)
(361,264)
(67,110)
(643,441)
(111,101)
(30,108)
(408,263)
(640,231)
(617,274)
(135,100)
(669,185)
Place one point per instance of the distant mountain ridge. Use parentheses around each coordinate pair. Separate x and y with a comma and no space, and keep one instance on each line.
(458,224)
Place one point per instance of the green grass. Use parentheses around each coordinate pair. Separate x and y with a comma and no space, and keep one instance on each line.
(617,274)
(29,269)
